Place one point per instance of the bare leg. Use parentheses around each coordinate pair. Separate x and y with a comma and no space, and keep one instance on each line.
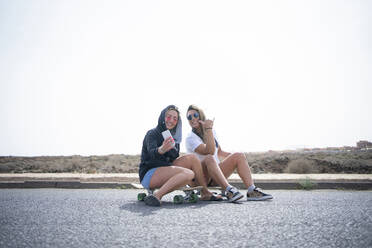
(191,162)
(169,178)
(239,162)
(211,169)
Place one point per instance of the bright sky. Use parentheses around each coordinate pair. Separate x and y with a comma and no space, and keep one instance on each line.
(91,77)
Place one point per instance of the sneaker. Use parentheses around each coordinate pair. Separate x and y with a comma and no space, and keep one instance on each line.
(151,200)
(258,195)
(233,194)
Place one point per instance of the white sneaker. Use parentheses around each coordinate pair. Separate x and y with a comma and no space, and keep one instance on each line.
(258,195)
(233,194)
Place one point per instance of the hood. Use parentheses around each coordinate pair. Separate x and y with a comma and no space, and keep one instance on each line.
(177,130)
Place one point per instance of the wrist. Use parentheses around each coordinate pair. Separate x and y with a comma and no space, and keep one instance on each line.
(160,150)
(208,128)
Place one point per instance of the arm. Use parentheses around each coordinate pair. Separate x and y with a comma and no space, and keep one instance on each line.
(153,149)
(166,146)
(174,153)
(152,145)
(209,146)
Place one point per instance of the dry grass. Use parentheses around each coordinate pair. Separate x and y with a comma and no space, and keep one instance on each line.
(357,162)
(116,163)
(267,162)
(301,166)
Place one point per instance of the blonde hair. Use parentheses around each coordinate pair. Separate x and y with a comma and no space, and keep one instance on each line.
(201,117)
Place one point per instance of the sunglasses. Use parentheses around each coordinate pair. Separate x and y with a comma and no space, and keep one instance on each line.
(196,115)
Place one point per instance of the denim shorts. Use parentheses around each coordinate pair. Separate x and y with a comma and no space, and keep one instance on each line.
(147,178)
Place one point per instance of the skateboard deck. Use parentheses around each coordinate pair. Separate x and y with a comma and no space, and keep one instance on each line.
(191,195)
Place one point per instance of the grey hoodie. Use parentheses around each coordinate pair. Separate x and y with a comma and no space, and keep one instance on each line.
(150,157)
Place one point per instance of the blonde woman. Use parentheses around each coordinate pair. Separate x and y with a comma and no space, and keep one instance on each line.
(202,142)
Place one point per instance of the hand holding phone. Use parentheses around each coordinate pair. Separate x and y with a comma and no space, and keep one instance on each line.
(168,142)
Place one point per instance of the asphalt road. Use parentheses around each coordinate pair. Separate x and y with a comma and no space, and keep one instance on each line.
(114,218)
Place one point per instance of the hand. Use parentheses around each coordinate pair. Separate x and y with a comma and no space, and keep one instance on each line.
(207,124)
(167,145)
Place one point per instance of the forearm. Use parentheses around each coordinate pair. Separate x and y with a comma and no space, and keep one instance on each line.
(209,141)
(152,146)
(154,152)
(174,153)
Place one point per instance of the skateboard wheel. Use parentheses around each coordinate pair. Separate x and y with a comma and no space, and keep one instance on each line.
(178,199)
(141,196)
(193,198)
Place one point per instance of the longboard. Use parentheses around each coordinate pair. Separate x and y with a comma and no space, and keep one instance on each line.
(191,195)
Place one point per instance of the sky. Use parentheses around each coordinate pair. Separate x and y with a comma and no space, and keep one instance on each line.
(91,77)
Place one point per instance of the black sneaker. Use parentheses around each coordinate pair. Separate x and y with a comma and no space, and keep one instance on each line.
(258,195)
(151,200)
(233,194)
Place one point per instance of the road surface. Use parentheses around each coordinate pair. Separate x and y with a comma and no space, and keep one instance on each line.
(114,218)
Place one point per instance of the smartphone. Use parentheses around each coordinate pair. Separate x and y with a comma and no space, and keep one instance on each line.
(166,134)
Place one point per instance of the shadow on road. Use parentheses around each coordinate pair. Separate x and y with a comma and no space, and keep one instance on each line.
(144,210)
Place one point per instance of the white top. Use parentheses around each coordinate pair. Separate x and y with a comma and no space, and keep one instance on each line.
(193,141)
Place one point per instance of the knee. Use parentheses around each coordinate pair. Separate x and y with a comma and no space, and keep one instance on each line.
(189,174)
(241,159)
(239,156)
(193,159)
(209,160)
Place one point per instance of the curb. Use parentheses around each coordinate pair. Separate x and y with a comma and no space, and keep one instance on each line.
(277,185)
(65,185)
(131,181)
(312,185)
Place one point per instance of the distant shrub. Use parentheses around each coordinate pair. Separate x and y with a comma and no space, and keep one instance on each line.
(301,166)
(307,184)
